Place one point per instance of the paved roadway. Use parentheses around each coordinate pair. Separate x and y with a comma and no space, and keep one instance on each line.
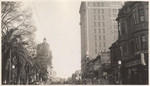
(105,81)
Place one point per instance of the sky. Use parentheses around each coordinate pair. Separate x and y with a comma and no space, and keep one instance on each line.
(58,21)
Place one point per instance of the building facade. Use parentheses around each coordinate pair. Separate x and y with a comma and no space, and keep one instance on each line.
(98,28)
(132,46)
(96,70)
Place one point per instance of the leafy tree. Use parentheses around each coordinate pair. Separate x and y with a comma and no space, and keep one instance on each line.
(43,60)
(16,25)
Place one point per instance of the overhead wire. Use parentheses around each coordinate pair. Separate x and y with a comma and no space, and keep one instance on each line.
(37,15)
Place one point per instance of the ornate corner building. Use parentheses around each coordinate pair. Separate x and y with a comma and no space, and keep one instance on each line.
(131,48)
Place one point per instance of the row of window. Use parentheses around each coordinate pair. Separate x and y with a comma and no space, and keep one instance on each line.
(102,11)
(114,27)
(140,43)
(100,44)
(140,12)
(102,4)
(99,30)
(98,50)
(136,17)
(99,11)
(116,3)
(114,32)
(114,10)
(99,24)
(113,21)
(99,37)
(98,17)
(115,37)
(98,4)
(114,15)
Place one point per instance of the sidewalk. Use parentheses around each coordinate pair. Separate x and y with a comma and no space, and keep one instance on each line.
(105,81)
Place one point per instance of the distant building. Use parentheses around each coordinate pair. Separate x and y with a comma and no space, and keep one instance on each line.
(96,69)
(105,57)
(132,46)
(98,28)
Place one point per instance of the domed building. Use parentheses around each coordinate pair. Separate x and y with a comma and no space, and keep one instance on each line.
(44,56)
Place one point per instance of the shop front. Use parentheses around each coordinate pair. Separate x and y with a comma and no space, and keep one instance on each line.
(134,72)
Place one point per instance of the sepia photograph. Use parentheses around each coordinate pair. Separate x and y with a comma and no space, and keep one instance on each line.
(74,42)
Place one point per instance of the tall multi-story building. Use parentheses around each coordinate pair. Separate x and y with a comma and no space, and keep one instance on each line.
(98,27)
(132,46)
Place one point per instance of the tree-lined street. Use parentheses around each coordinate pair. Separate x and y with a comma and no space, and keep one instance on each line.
(19,65)
(113,43)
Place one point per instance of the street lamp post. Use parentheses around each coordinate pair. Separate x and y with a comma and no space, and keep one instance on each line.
(13,66)
(119,62)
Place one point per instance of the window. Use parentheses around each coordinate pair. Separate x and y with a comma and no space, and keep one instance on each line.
(104,44)
(113,10)
(103,11)
(99,30)
(102,4)
(95,31)
(129,23)
(94,11)
(88,4)
(99,44)
(95,44)
(99,37)
(99,24)
(144,42)
(94,24)
(125,50)
(147,11)
(103,30)
(94,17)
(123,28)
(114,21)
(103,37)
(114,15)
(137,44)
(102,17)
(134,16)
(95,51)
(98,4)
(95,37)
(98,17)
(119,28)
(132,48)
(94,4)
(104,50)
(141,12)
(121,51)
(103,24)
(114,37)
(114,26)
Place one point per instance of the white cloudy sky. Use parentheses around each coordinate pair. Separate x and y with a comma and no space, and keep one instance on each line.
(60,25)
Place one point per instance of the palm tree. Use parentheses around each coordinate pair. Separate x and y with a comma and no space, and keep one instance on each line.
(13,46)
(42,65)
(16,25)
